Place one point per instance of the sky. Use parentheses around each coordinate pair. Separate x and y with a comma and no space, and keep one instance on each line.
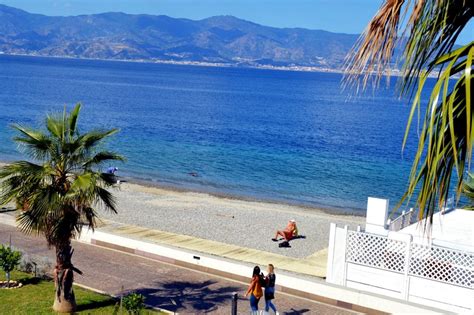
(342,16)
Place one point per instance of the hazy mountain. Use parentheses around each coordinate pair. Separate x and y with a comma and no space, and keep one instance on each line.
(219,39)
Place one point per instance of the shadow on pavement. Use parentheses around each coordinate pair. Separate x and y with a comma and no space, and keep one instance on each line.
(296,312)
(179,296)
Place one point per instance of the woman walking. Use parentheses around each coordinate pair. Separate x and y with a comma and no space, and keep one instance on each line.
(255,289)
(270,289)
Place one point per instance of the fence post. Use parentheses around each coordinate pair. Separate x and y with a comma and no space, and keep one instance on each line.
(344,277)
(402,224)
(234,303)
(406,287)
(331,250)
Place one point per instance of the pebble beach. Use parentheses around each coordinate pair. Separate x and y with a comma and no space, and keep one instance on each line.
(244,223)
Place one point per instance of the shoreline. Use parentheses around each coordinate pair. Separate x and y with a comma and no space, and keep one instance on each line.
(245,223)
(309,69)
(148,185)
(354,212)
(393,72)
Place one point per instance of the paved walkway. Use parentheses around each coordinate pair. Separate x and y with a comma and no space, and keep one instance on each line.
(313,265)
(166,286)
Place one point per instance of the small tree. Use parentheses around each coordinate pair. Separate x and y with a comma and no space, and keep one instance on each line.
(134,303)
(9,260)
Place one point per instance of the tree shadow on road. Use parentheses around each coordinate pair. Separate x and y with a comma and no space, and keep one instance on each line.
(91,305)
(178,296)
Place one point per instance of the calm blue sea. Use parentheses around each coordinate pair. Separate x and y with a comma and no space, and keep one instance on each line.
(273,135)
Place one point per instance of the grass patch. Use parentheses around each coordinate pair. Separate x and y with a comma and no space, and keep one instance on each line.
(36,297)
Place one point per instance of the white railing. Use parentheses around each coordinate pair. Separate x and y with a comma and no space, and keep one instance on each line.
(375,251)
(402,221)
(431,262)
(442,264)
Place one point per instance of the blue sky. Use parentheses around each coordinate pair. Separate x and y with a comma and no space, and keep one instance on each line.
(346,16)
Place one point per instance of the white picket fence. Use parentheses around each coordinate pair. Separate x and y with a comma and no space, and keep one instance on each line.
(396,266)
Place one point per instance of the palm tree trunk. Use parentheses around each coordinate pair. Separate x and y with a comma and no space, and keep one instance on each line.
(65,301)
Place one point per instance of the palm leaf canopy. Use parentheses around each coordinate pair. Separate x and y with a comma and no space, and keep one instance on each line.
(63,187)
(427,30)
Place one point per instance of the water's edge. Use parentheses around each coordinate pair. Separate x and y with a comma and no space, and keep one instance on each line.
(229,196)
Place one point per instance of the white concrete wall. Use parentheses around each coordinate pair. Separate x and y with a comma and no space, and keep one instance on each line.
(368,279)
(423,291)
(442,295)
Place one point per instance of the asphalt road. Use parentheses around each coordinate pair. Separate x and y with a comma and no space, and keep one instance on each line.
(166,286)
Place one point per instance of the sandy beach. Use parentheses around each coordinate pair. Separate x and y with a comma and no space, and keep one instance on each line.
(244,223)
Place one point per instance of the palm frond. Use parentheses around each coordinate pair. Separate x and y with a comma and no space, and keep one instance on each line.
(92,138)
(55,125)
(374,49)
(106,198)
(430,31)
(445,143)
(468,190)
(34,143)
(73,116)
(101,157)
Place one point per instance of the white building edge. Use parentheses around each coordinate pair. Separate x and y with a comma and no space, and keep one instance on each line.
(403,261)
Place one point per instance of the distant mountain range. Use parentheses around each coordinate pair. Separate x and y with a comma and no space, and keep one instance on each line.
(216,40)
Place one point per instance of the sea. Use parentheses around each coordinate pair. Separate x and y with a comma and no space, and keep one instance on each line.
(280,136)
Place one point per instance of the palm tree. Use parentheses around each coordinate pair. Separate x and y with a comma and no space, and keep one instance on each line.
(427,30)
(60,193)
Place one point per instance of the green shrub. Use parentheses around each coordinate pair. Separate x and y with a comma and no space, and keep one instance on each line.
(134,303)
(9,260)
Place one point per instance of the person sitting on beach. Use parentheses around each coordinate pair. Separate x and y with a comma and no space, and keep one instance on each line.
(290,232)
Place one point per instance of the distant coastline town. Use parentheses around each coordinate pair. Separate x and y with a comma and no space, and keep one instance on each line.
(298,68)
